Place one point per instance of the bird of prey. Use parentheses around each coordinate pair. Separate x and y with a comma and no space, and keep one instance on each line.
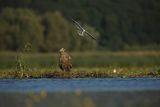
(81,31)
(64,60)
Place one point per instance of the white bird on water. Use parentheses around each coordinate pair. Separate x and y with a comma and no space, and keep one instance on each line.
(81,31)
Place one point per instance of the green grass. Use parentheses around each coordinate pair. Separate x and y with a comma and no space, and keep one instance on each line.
(86,59)
(86,64)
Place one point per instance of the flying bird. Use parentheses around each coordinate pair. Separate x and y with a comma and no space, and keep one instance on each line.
(81,31)
(64,60)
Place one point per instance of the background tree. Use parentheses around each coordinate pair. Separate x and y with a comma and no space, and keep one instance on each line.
(122,24)
(56,34)
(20,26)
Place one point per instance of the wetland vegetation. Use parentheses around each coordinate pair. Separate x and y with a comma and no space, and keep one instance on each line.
(85,64)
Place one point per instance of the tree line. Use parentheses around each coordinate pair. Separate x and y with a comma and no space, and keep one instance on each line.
(46,24)
(47,32)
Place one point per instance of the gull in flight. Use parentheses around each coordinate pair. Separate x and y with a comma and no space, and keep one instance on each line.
(81,31)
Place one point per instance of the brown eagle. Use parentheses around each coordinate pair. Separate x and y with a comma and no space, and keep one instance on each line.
(64,60)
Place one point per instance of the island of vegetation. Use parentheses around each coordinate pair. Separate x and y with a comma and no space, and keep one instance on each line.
(107,65)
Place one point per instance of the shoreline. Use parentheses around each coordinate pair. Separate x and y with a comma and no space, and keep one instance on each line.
(95,75)
(94,72)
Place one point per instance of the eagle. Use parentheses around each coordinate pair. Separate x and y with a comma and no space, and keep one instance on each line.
(64,60)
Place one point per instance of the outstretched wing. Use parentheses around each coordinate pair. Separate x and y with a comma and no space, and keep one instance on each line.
(90,35)
(77,25)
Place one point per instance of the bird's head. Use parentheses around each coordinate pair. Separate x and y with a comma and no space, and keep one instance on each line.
(62,50)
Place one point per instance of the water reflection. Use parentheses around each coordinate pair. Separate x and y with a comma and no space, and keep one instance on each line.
(81,99)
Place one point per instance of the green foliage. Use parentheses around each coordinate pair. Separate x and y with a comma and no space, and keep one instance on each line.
(56,31)
(21,64)
(84,59)
(158,71)
(49,32)
(20,26)
(121,24)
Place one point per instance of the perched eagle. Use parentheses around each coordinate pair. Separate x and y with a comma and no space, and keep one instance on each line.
(64,60)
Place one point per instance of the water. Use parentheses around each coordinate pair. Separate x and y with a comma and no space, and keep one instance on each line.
(80,92)
(82,84)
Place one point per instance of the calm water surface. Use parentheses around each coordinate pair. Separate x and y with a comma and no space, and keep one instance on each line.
(83,84)
(80,92)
